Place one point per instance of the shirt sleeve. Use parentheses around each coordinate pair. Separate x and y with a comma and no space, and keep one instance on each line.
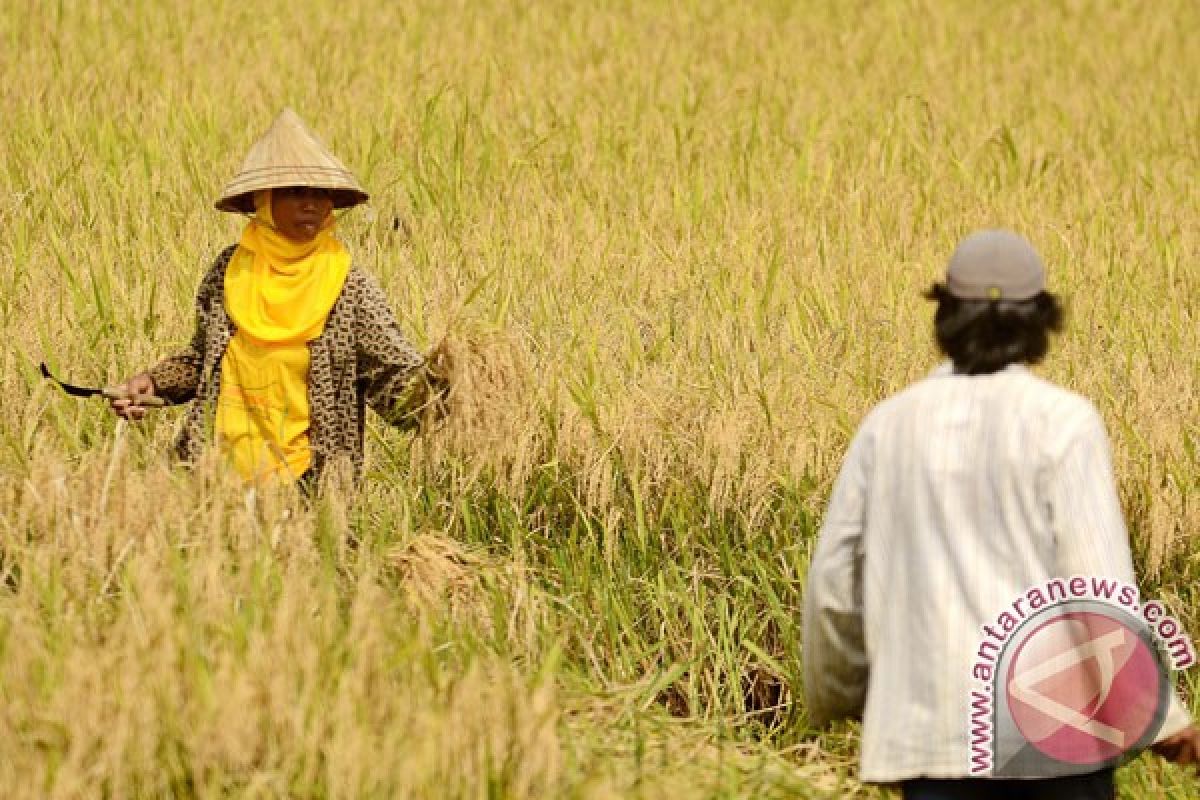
(177,377)
(1089,529)
(835,659)
(396,383)
(1090,533)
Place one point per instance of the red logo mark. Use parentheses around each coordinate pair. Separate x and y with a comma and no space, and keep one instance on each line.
(1083,688)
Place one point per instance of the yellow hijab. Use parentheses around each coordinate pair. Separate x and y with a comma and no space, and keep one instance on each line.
(278,293)
(278,290)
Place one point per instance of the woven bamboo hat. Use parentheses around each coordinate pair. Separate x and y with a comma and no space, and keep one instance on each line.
(289,154)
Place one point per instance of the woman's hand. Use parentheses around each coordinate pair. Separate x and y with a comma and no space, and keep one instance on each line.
(137,388)
(1183,748)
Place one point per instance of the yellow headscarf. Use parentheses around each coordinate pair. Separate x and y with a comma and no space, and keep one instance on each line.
(278,290)
(279,294)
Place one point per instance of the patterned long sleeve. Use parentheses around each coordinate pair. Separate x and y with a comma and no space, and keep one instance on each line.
(395,381)
(177,377)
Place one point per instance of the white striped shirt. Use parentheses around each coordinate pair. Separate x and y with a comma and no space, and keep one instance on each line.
(956,496)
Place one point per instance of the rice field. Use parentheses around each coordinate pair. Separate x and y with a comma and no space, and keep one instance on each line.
(677,251)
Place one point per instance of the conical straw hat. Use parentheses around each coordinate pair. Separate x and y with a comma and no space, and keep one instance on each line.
(289,154)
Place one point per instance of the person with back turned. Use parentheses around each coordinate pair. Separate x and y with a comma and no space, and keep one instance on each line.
(956,496)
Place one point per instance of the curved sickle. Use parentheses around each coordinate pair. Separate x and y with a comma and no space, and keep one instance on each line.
(108,391)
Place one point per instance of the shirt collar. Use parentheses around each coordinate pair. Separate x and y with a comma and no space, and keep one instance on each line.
(946,369)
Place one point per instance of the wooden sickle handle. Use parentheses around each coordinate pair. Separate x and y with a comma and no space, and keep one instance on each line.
(146,401)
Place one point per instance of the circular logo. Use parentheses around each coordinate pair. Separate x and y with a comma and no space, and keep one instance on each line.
(1083,687)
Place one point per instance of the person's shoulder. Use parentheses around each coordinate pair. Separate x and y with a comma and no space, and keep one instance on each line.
(363,295)
(1068,407)
(899,402)
(1017,388)
(360,285)
(221,260)
(356,276)
(214,275)
(1055,416)
(880,418)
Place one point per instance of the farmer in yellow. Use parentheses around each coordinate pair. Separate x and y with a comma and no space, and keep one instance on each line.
(292,340)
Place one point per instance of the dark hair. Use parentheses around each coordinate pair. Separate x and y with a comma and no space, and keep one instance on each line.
(985,336)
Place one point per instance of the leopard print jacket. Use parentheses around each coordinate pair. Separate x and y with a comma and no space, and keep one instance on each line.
(361,359)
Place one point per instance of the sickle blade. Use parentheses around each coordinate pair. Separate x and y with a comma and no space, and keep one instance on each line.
(109,392)
(74,391)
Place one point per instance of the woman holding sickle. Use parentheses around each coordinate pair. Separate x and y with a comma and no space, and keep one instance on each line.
(292,341)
